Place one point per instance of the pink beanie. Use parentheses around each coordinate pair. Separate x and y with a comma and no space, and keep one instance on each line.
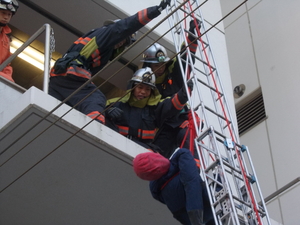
(150,165)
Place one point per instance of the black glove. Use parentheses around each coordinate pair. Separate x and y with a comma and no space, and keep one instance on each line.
(193,25)
(163,4)
(190,85)
(182,93)
(114,113)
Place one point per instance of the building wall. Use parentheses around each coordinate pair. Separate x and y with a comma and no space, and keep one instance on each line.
(262,42)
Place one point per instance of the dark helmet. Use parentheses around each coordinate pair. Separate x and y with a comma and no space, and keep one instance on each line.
(11,5)
(144,76)
(155,54)
(130,39)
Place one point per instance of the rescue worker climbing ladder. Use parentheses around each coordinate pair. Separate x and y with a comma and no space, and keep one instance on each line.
(223,160)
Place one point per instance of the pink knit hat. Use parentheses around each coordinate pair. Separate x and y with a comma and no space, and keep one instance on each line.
(150,165)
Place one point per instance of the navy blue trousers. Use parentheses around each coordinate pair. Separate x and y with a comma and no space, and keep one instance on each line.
(185,191)
(62,87)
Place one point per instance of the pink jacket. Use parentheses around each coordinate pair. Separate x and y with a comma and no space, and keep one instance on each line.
(5,53)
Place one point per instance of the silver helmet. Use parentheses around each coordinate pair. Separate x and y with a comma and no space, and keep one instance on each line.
(11,5)
(155,54)
(144,76)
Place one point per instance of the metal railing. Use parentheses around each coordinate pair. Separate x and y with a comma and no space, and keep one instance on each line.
(49,48)
(281,190)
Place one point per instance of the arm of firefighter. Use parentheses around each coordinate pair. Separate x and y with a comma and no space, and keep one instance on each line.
(171,107)
(194,32)
(116,32)
(194,27)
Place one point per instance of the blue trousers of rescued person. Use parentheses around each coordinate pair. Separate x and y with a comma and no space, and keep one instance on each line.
(183,191)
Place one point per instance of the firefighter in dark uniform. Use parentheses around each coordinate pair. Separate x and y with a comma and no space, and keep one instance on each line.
(141,111)
(168,81)
(177,184)
(89,54)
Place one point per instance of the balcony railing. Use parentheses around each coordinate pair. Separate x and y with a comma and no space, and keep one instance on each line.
(49,48)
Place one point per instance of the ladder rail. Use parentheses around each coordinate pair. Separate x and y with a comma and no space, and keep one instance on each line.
(210,178)
(218,155)
(241,198)
(224,99)
(227,112)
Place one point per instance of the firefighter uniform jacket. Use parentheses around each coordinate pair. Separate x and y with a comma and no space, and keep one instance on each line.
(91,52)
(5,53)
(140,123)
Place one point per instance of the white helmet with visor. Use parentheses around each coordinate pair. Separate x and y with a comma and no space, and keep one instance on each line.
(144,76)
(11,5)
(155,54)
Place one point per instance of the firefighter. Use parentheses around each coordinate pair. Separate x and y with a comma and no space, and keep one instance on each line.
(168,75)
(140,112)
(176,183)
(8,8)
(89,54)
(169,80)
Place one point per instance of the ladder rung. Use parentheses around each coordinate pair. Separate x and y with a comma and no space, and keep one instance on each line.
(210,87)
(206,64)
(217,114)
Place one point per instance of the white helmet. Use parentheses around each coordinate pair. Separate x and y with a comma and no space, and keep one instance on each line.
(144,76)
(155,54)
(11,5)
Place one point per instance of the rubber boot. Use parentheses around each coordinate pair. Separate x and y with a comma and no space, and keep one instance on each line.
(196,217)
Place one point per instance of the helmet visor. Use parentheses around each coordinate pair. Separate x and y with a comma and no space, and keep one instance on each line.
(161,58)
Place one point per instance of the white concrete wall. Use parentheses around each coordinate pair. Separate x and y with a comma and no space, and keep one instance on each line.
(263,47)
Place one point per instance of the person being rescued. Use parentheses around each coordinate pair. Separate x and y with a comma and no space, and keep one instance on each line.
(141,111)
(176,182)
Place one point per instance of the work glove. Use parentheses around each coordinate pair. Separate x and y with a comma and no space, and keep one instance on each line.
(163,4)
(190,85)
(182,93)
(193,25)
(114,113)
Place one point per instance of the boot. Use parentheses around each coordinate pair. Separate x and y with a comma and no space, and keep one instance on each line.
(196,217)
